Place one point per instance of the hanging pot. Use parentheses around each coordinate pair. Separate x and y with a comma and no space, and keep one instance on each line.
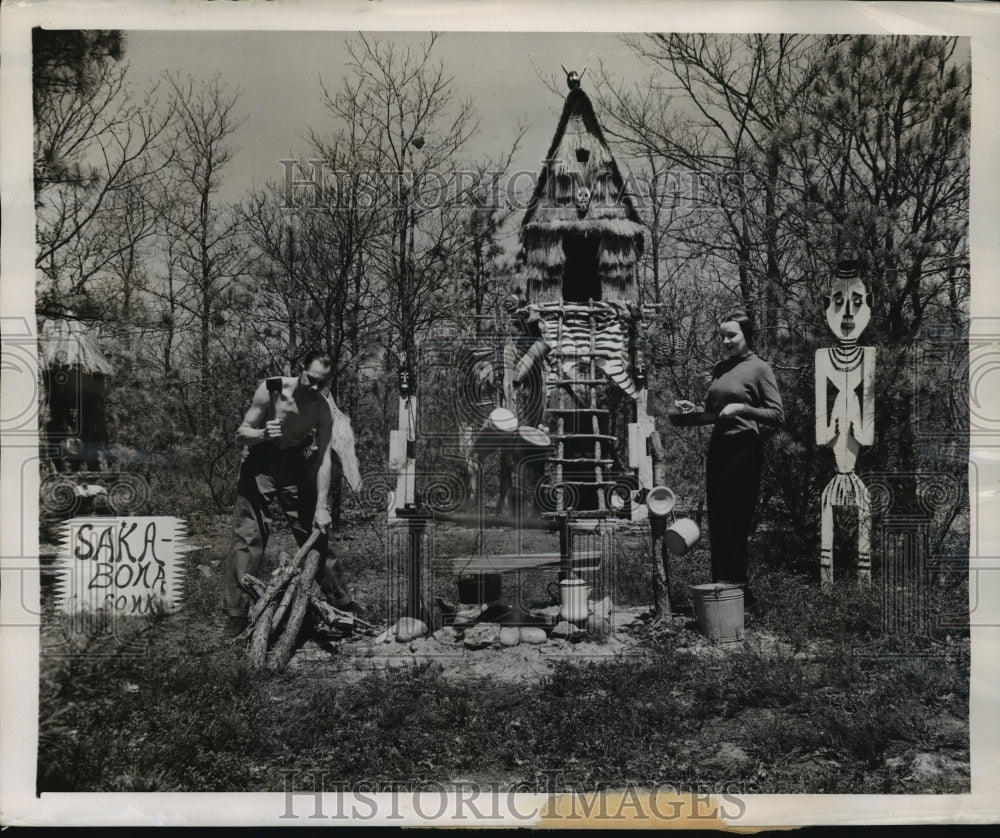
(479,588)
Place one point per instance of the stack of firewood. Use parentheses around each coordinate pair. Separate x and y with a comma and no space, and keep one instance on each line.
(276,618)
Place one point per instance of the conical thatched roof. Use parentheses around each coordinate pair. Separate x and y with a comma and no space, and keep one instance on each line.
(67,343)
(578,167)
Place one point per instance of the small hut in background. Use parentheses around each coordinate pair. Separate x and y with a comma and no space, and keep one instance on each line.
(75,375)
(581,234)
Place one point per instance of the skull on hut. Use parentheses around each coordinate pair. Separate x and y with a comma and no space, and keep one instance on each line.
(582,201)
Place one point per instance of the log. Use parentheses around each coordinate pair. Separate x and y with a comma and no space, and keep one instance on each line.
(286,600)
(261,635)
(282,651)
(328,614)
(282,578)
(256,588)
(661,599)
(661,580)
(277,586)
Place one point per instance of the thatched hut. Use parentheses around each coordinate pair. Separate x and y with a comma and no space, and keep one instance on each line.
(581,236)
(75,375)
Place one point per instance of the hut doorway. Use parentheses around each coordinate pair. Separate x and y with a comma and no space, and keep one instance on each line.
(580,278)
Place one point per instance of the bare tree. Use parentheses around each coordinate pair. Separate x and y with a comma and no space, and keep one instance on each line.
(412,129)
(720,112)
(315,250)
(96,149)
(208,248)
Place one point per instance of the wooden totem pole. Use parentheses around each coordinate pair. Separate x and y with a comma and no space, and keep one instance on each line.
(845,413)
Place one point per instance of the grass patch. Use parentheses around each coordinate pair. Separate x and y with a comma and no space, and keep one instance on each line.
(827,704)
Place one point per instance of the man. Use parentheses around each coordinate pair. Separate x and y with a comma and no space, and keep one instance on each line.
(277,434)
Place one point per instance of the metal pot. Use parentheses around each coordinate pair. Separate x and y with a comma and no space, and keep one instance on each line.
(479,588)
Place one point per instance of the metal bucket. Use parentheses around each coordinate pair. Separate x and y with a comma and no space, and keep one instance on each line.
(660,501)
(496,431)
(718,609)
(681,536)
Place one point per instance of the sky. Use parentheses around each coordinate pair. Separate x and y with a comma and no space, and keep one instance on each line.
(279,76)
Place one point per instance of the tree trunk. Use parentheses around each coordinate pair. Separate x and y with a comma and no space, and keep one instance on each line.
(772,298)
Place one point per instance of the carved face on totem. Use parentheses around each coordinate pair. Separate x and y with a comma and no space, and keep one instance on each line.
(848,307)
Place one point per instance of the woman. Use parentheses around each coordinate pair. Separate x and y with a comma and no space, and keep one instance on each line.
(743,395)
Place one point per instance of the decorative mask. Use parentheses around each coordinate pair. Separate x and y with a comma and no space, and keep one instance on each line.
(848,308)
(582,200)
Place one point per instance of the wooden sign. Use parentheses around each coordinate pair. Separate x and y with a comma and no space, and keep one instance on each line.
(127,565)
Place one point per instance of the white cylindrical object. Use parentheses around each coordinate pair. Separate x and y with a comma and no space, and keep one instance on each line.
(573,595)
(496,431)
(538,351)
(681,536)
(660,501)
(502,420)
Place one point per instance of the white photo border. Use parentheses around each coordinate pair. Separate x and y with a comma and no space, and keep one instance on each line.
(19,594)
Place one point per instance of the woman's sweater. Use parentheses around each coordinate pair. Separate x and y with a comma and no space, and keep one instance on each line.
(747,380)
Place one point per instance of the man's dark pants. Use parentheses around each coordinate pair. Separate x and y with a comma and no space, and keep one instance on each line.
(285,475)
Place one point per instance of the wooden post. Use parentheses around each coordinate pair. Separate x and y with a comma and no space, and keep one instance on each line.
(565,548)
(416,527)
(657,529)
(402,443)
